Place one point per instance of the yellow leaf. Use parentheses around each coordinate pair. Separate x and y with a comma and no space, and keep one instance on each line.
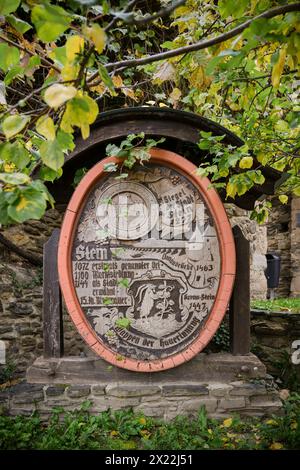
(294,425)
(283,198)
(246,162)
(80,112)
(85,131)
(227,422)
(276,446)
(164,71)
(96,35)
(231,190)
(45,127)
(114,433)
(142,421)
(22,204)
(117,81)
(74,46)
(100,89)
(271,422)
(197,78)
(58,94)
(129,92)
(70,72)
(175,96)
(278,68)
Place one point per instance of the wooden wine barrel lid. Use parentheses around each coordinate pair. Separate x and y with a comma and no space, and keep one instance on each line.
(146,262)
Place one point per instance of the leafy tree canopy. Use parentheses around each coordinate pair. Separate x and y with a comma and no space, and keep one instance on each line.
(64,62)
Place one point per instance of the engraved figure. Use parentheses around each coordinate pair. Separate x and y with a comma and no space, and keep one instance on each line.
(104,319)
(147,296)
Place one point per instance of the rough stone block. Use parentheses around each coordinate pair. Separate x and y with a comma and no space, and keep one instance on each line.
(117,403)
(266,401)
(219,389)
(195,404)
(55,390)
(130,390)
(28,398)
(157,410)
(98,390)
(178,390)
(20,308)
(232,403)
(247,388)
(78,391)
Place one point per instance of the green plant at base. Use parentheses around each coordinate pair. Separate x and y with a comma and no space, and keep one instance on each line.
(125,429)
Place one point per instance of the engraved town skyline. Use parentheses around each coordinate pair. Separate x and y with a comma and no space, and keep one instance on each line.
(146,262)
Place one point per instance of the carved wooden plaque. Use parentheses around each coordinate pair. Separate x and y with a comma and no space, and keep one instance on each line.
(146,263)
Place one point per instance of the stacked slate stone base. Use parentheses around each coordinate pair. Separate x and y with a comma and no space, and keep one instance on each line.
(223,383)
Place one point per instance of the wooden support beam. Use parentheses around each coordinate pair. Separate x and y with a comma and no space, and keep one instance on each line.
(239,309)
(52,303)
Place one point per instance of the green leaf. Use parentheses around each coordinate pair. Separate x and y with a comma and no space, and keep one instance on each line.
(4,217)
(19,155)
(50,21)
(20,25)
(47,174)
(123,322)
(232,7)
(13,125)
(65,140)
(8,6)
(14,178)
(29,205)
(9,56)
(79,174)
(52,154)
(123,282)
(105,77)
(13,73)
(110,167)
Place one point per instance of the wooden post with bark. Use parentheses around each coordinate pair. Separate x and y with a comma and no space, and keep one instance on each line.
(239,310)
(52,302)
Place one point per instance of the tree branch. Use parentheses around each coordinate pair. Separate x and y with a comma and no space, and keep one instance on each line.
(201,44)
(43,60)
(116,18)
(33,259)
(162,13)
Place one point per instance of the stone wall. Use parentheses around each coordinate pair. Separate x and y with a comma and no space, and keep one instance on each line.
(222,383)
(279,241)
(21,296)
(272,336)
(21,286)
(257,236)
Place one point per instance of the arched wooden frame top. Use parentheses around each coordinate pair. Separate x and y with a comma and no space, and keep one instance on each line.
(227,265)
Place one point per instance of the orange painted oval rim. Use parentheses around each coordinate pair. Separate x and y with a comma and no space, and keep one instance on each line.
(227,265)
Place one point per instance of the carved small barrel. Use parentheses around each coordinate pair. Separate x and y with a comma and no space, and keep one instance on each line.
(146,262)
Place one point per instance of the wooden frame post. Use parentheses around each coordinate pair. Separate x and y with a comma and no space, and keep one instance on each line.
(239,309)
(52,303)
